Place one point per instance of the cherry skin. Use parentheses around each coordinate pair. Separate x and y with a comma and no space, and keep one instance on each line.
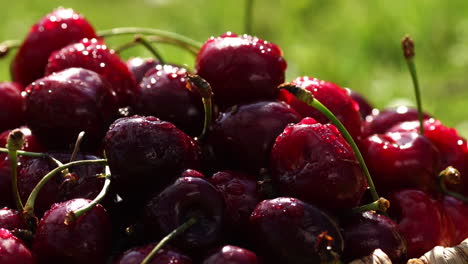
(140,66)
(163,256)
(367,231)
(365,108)
(287,230)
(240,69)
(164,94)
(6,192)
(145,154)
(192,173)
(31,142)
(56,30)
(93,54)
(242,136)
(60,106)
(187,198)
(313,162)
(11,219)
(401,160)
(12,249)
(422,221)
(333,97)
(11,106)
(86,240)
(457,211)
(231,255)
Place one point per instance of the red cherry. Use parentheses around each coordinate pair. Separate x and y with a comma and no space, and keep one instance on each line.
(139,67)
(12,250)
(457,211)
(163,256)
(365,108)
(231,255)
(11,106)
(11,219)
(56,30)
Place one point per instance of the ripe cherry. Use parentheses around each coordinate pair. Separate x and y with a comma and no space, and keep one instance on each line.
(365,108)
(11,106)
(231,255)
(11,219)
(457,211)
(12,249)
(140,66)
(163,256)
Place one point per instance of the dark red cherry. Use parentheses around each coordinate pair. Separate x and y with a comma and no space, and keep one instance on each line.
(365,108)
(242,136)
(288,230)
(187,198)
(241,69)
(367,231)
(145,154)
(11,106)
(56,30)
(163,256)
(11,219)
(60,106)
(12,249)
(164,94)
(86,240)
(313,162)
(231,255)
(6,193)
(457,211)
(192,173)
(140,66)
(333,97)
(31,142)
(380,122)
(93,54)
(422,221)
(401,160)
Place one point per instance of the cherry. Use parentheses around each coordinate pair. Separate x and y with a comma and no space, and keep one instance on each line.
(11,106)
(188,198)
(11,219)
(163,256)
(145,154)
(335,98)
(93,54)
(367,231)
(313,162)
(12,250)
(86,240)
(192,173)
(241,69)
(140,66)
(163,93)
(61,105)
(365,108)
(291,231)
(31,142)
(231,255)
(422,221)
(457,211)
(242,136)
(6,192)
(56,30)
(401,160)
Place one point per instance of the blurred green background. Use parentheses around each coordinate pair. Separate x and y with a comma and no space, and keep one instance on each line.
(355,44)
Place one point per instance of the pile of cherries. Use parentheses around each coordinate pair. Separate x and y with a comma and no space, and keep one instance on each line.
(225,163)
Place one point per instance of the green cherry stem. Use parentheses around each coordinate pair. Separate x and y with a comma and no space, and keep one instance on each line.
(308,98)
(407,45)
(248,16)
(144,41)
(73,215)
(149,31)
(206,93)
(453,176)
(14,143)
(168,238)
(380,205)
(158,39)
(76,148)
(26,153)
(8,45)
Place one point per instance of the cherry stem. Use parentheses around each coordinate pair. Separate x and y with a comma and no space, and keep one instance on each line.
(74,215)
(14,143)
(76,149)
(168,238)
(380,205)
(308,98)
(27,153)
(206,93)
(149,31)
(407,45)
(7,45)
(248,16)
(144,41)
(158,39)
(453,176)
(28,209)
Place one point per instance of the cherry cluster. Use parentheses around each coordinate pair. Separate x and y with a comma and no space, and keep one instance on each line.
(107,161)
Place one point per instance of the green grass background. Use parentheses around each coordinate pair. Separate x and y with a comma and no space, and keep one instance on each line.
(352,43)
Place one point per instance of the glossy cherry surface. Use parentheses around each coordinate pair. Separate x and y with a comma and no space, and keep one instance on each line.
(335,98)
(367,231)
(54,31)
(365,107)
(93,54)
(287,231)
(145,154)
(313,162)
(241,69)
(242,136)
(11,219)
(60,106)
(86,240)
(11,106)
(164,94)
(12,250)
(457,211)
(231,255)
(163,256)
(140,66)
